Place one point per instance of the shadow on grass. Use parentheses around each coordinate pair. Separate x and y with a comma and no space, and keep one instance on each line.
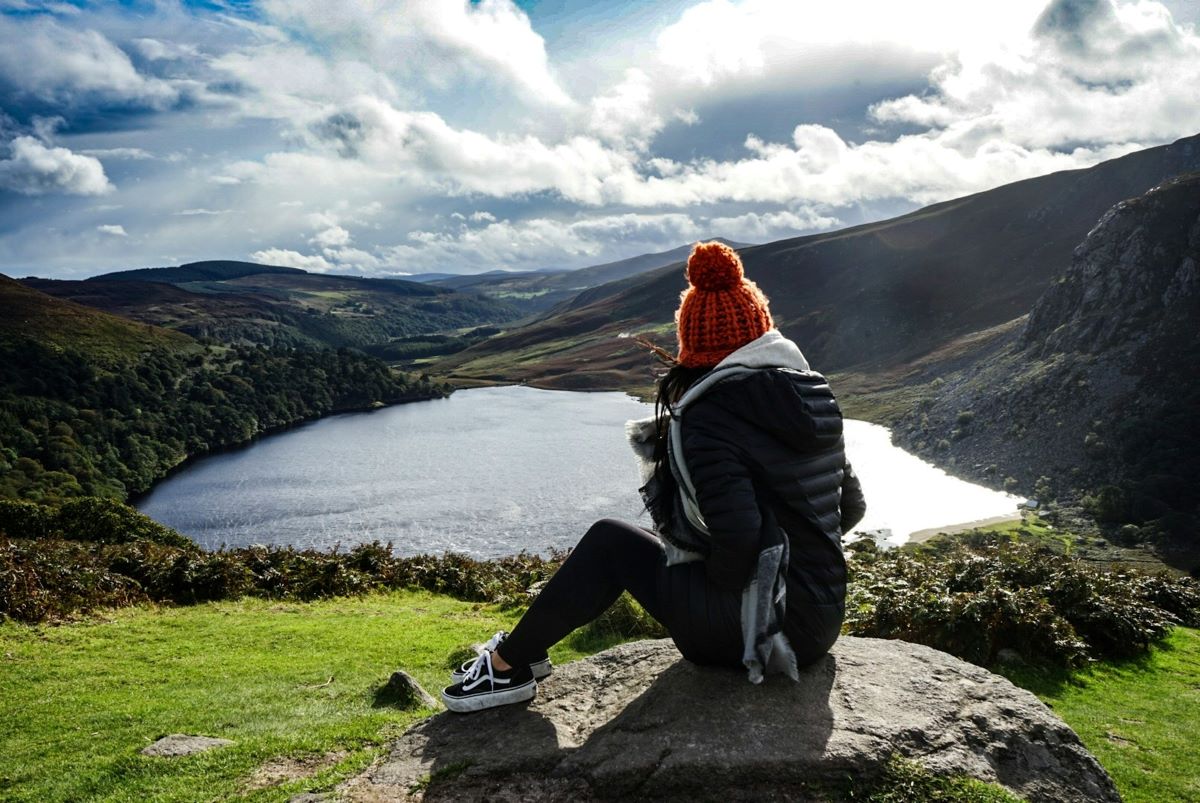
(1052,681)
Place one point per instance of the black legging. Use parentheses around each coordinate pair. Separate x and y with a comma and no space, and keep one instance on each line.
(613,556)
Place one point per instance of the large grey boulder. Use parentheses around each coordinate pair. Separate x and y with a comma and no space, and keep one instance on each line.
(637,722)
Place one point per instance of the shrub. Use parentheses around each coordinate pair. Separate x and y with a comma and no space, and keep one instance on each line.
(42,580)
(22,519)
(974,602)
(88,518)
(50,577)
(108,521)
(1110,504)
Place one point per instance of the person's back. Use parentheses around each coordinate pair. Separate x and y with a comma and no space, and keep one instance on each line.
(784,429)
(749,490)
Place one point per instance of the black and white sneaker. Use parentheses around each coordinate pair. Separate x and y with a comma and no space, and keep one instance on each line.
(484,686)
(541,668)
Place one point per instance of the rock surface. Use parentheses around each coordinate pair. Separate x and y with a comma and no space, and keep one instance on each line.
(637,721)
(403,690)
(181,744)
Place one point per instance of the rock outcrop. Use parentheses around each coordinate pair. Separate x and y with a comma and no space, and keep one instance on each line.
(639,722)
(1098,387)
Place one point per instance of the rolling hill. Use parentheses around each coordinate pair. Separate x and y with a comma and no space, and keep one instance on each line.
(61,324)
(540,291)
(870,299)
(240,302)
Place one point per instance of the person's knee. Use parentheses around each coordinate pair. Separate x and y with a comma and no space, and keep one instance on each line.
(611,536)
(606,530)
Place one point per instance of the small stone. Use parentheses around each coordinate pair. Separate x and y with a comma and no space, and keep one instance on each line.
(310,797)
(181,744)
(403,691)
(1009,656)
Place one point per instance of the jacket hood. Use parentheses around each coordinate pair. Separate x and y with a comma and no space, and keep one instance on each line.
(794,405)
(771,350)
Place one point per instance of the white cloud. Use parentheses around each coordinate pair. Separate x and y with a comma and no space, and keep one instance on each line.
(539,242)
(134,154)
(291,259)
(818,166)
(757,227)
(114,230)
(1089,71)
(52,62)
(158,50)
(381,117)
(431,42)
(34,169)
(332,236)
(626,112)
(201,212)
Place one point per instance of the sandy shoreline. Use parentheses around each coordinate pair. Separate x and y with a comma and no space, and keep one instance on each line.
(951,529)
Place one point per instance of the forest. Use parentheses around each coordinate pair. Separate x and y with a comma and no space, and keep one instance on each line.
(71,425)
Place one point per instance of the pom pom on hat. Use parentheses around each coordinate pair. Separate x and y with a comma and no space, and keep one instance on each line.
(714,266)
(721,311)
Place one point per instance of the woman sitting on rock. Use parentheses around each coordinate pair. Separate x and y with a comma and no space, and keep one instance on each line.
(747,482)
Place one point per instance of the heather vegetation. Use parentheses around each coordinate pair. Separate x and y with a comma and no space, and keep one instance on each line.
(56,562)
(971,601)
(1026,599)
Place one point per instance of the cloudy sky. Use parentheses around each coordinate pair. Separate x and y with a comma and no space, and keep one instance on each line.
(404,136)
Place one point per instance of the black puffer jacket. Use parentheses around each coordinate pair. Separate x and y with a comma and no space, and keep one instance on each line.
(765,449)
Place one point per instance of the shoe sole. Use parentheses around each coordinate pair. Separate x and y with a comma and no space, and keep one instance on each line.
(480,702)
(541,670)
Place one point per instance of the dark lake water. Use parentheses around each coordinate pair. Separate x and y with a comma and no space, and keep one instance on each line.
(488,472)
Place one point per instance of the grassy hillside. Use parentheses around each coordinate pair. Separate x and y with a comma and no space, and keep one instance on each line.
(870,298)
(105,339)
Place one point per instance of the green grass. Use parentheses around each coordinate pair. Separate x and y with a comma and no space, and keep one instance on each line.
(303,681)
(1140,718)
(81,700)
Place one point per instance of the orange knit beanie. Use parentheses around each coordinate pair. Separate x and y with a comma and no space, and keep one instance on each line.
(721,311)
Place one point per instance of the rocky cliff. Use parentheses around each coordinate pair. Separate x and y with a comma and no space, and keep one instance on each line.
(1095,398)
(639,722)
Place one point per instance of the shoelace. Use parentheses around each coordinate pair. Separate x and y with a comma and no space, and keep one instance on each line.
(484,659)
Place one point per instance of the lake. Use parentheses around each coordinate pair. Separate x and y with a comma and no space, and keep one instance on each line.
(489,472)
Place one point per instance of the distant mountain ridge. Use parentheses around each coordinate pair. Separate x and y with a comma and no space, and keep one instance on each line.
(540,291)
(211,270)
(244,302)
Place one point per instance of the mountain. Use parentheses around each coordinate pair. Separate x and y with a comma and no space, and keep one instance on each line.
(241,302)
(868,299)
(214,270)
(1093,398)
(539,291)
